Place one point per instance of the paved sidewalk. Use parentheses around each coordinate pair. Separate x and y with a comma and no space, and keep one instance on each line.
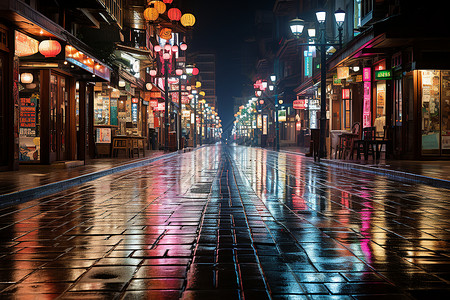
(33,181)
(435,173)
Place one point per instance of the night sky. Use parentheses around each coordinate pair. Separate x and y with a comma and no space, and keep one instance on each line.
(222,26)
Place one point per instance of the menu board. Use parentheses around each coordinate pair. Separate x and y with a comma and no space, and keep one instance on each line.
(27,116)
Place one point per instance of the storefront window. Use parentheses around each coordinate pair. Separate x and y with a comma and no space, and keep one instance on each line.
(29,116)
(380,120)
(102,107)
(445,102)
(430,110)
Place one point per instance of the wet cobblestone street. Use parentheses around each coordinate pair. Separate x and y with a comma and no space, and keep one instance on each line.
(226,222)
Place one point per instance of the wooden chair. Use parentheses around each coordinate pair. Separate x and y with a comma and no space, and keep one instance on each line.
(349,140)
(384,140)
(365,145)
(120,143)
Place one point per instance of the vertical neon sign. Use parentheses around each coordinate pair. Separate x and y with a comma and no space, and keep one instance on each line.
(367,95)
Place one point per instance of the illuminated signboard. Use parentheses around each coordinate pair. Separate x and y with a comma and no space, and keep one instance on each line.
(345,94)
(25,45)
(366,74)
(308,63)
(383,75)
(86,62)
(265,121)
(366,105)
(299,104)
(343,72)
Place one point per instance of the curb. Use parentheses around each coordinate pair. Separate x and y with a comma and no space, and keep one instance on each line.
(393,174)
(58,186)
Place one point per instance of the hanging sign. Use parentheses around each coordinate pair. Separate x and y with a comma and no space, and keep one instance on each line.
(282,115)
(383,75)
(299,104)
(345,94)
(25,45)
(366,74)
(336,81)
(265,121)
(343,72)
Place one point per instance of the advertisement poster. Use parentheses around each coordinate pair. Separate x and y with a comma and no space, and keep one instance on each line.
(27,117)
(366,105)
(114,120)
(265,121)
(103,135)
(282,115)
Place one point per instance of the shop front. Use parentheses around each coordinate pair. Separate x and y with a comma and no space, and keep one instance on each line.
(5,100)
(434,94)
(50,101)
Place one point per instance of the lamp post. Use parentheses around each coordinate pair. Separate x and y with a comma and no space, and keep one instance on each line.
(276,146)
(297,26)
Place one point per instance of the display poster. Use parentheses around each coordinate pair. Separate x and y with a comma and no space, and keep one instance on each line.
(103,135)
(282,115)
(27,116)
(114,120)
(259,121)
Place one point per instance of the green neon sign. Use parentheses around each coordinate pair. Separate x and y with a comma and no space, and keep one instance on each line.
(383,75)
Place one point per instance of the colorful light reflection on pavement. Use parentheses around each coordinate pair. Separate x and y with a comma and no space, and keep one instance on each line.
(230,222)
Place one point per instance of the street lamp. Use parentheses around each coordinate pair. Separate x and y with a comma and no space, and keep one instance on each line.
(297,26)
(273,78)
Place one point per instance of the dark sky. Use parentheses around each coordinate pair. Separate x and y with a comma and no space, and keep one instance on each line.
(221,26)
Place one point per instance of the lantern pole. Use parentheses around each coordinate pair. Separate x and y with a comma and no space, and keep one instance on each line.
(179,137)
(166,105)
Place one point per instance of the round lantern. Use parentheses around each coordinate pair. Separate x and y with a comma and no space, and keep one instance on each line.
(122,83)
(152,72)
(195,71)
(159,5)
(148,86)
(151,14)
(167,1)
(166,56)
(167,47)
(49,48)
(183,47)
(157,48)
(165,33)
(174,48)
(174,14)
(178,72)
(187,20)
(26,78)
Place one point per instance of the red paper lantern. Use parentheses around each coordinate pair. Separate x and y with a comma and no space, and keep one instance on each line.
(167,1)
(174,14)
(49,48)
(195,71)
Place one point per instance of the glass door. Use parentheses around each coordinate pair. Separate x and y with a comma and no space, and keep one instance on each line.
(445,113)
(3,146)
(58,115)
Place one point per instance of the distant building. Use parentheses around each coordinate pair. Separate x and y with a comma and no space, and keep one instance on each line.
(206,63)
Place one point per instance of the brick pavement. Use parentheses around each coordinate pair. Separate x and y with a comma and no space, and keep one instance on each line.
(242,223)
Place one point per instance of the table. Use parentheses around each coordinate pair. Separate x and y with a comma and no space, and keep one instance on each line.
(128,143)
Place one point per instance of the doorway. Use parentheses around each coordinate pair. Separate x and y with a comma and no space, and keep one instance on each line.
(59,98)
